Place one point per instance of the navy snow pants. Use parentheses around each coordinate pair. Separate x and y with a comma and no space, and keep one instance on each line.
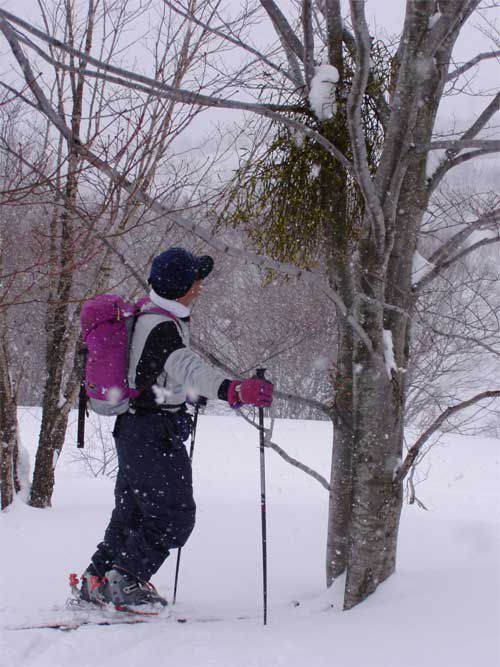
(154,506)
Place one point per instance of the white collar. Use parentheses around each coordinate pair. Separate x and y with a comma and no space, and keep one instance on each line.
(176,308)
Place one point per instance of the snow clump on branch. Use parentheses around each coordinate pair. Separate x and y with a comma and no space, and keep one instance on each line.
(322,92)
(434,19)
(420,268)
(390,361)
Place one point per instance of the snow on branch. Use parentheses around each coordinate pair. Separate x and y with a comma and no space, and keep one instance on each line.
(389,358)
(434,19)
(322,91)
(421,267)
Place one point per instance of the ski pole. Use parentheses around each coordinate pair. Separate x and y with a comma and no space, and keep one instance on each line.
(200,402)
(82,407)
(261,374)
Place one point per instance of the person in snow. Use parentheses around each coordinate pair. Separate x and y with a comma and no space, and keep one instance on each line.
(154,506)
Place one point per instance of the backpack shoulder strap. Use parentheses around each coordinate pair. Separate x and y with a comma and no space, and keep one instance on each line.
(159,311)
(153,309)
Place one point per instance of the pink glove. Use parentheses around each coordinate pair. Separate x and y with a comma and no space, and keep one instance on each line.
(254,391)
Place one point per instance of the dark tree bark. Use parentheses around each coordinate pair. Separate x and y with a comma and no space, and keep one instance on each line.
(9,479)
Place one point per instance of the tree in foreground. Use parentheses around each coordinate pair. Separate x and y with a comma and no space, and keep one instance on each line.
(369,121)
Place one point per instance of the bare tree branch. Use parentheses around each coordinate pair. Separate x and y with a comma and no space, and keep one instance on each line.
(162,90)
(472,63)
(289,459)
(452,159)
(290,42)
(447,165)
(334,29)
(459,145)
(465,252)
(468,339)
(284,396)
(486,221)
(415,449)
(409,65)
(283,28)
(454,13)
(261,261)
(447,254)
(484,118)
(307,26)
(233,40)
(354,107)
(333,18)
(297,464)
(216,361)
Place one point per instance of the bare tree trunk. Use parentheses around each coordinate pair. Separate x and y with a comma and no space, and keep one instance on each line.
(54,423)
(9,480)
(339,507)
(60,339)
(61,336)
(374,461)
(338,241)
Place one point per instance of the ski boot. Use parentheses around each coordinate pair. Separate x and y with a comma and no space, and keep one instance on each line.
(128,593)
(93,589)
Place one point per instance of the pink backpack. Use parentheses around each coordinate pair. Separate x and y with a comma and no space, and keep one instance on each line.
(107,326)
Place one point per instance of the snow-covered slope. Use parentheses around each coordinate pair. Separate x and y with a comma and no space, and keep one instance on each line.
(440,609)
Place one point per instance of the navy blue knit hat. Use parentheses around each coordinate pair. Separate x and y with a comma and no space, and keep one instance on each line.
(174,272)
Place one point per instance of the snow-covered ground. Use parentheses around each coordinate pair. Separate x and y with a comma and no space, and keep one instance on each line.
(441,608)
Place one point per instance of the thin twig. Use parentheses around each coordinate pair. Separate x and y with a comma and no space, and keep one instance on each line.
(289,459)
(436,424)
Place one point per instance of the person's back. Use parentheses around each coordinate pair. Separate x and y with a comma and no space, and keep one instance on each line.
(155,337)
